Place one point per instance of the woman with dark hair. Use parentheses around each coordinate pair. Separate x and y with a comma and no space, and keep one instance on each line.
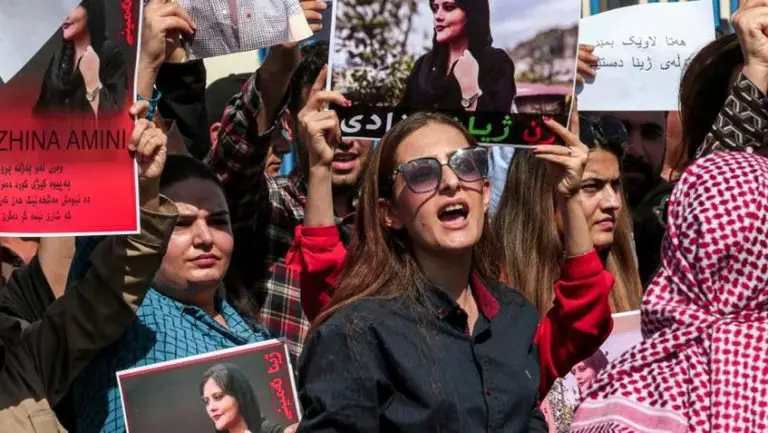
(462,71)
(88,73)
(230,401)
(586,371)
(419,336)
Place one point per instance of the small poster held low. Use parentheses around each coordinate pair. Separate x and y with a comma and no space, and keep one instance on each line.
(64,124)
(251,386)
(497,66)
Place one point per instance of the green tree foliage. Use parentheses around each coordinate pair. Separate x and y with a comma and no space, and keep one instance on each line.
(374,36)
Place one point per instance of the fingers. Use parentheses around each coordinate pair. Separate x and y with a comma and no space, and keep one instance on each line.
(139,109)
(319,83)
(313,5)
(321,98)
(586,47)
(313,16)
(172,23)
(141,126)
(555,159)
(588,57)
(568,137)
(174,13)
(152,140)
(574,118)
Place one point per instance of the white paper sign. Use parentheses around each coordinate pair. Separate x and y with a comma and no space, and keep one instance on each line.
(643,51)
(25,25)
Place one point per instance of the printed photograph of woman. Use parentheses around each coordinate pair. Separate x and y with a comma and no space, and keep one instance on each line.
(462,70)
(586,371)
(454,55)
(88,73)
(230,402)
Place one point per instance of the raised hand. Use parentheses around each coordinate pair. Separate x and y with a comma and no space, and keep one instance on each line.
(566,162)
(313,12)
(164,23)
(467,71)
(751,24)
(586,60)
(148,145)
(320,129)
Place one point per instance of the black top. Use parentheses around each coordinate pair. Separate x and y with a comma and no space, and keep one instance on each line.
(649,233)
(398,366)
(66,95)
(429,87)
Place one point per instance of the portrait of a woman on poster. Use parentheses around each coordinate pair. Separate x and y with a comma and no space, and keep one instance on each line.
(87,74)
(230,402)
(462,71)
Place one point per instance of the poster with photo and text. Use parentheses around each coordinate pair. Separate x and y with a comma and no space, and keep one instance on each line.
(497,66)
(559,405)
(66,83)
(217,391)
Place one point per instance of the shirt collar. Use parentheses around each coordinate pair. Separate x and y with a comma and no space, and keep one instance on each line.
(444,306)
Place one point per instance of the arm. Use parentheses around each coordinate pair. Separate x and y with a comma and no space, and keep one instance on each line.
(743,120)
(578,322)
(55,256)
(318,255)
(182,85)
(341,376)
(94,313)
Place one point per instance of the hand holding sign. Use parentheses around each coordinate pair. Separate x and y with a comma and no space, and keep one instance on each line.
(751,24)
(148,144)
(320,129)
(313,12)
(567,162)
(586,62)
(161,32)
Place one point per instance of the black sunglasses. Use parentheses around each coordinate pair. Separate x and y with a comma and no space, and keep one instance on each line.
(606,131)
(423,175)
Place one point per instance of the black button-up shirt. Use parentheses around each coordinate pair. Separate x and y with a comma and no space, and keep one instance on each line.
(411,366)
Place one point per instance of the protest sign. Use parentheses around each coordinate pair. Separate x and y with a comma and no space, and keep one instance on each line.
(559,405)
(643,52)
(229,26)
(64,126)
(180,395)
(497,67)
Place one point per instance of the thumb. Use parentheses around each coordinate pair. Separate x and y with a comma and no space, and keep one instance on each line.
(574,126)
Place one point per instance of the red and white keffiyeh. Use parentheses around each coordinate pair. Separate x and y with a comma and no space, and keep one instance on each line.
(703,364)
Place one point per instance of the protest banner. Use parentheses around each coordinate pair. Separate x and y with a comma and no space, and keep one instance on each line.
(643,52)
(229,26)
(559,405)
(180,395)
(64,124)
(497,66)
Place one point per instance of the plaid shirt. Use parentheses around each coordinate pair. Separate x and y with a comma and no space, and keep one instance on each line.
(265,212)
(258,24)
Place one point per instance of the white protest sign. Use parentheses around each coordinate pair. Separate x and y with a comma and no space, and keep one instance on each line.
(25,25)
(643,51)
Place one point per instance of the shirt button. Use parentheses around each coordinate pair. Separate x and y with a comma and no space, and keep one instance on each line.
(750,149)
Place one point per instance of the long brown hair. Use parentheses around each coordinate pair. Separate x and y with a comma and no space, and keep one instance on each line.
(531,246)
(380,263)
(704,88)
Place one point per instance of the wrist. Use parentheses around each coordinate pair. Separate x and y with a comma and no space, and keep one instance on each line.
(470,90)
(319,169)
(757,74)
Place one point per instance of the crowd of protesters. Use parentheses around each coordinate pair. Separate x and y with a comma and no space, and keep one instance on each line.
(411,299)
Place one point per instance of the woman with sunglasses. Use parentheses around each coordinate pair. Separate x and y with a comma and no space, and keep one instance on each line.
(574,327)
(419,336)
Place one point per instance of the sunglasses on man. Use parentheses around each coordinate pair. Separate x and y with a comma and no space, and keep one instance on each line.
(424,175)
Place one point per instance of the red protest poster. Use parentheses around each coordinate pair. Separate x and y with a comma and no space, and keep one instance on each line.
(64,126)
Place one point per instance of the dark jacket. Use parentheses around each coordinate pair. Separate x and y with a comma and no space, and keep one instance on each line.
(407,366)
(429,87)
